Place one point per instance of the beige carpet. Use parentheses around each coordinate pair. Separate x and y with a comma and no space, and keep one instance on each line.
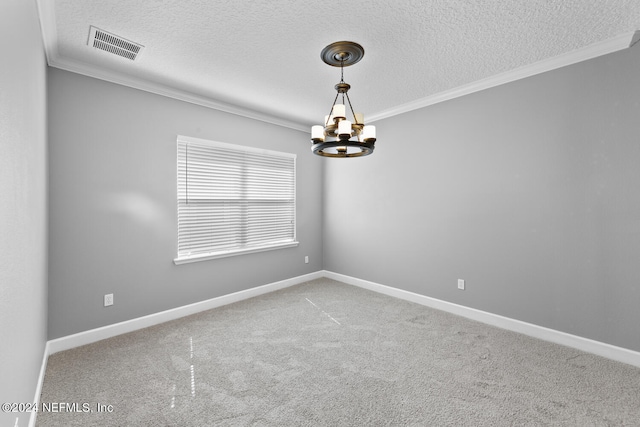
(328,354)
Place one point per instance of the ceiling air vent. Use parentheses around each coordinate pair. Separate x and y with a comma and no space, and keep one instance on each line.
(113,44)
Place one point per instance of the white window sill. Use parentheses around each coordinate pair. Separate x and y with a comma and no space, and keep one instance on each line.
(234,252)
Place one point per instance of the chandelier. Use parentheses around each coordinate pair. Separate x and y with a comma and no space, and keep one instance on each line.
(339,136)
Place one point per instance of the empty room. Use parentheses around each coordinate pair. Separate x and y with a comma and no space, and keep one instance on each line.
(294,213)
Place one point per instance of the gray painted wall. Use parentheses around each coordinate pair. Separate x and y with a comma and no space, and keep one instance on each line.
(23,233)
(113,204)
(528,191)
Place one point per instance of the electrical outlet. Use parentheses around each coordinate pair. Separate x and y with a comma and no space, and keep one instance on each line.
(461,284)
(108,300)
(306,259)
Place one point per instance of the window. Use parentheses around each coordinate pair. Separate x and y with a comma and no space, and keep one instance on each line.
(233,199)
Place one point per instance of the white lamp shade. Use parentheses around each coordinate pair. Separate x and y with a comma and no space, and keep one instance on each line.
(317,133)
(338,111)
(369,133)
(344,127)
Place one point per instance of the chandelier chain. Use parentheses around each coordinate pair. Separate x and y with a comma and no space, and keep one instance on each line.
(345,93)
(331,111)
(350,107)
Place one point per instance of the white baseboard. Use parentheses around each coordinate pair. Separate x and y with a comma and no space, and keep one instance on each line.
(601,349)
(36,398)
(584,344)
(93,335)
(591,346)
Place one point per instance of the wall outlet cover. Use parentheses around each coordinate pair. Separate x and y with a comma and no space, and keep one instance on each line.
(108,300)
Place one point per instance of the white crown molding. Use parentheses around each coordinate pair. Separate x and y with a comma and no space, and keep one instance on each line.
(47,13)
(169,92)
(46,10)
(615,44)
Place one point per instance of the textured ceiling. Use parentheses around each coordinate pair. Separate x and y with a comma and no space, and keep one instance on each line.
(263,57)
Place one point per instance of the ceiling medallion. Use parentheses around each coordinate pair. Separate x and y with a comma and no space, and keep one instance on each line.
(340,137)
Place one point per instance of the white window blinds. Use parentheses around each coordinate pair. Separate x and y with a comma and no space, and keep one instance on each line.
(233,199)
